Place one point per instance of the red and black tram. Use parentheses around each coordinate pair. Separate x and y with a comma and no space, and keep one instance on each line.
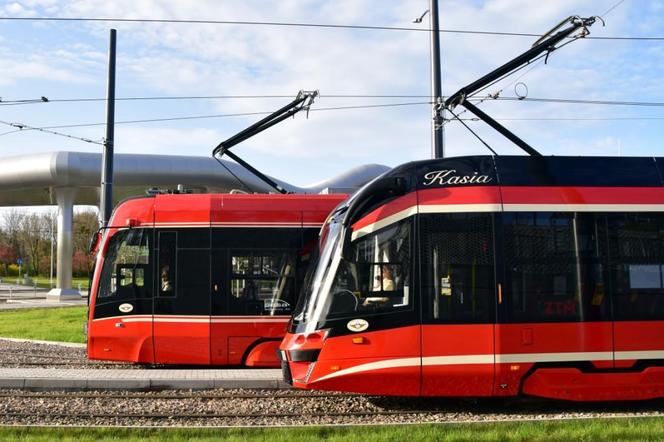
(490,276)
(201,279)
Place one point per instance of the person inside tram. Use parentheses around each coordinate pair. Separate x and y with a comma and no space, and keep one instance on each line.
(383,282)
(166,285)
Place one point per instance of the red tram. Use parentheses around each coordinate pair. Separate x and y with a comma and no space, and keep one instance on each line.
(201,279)
(490,276)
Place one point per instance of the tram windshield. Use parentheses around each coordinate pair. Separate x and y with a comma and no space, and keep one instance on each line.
(368,276)
(126,266)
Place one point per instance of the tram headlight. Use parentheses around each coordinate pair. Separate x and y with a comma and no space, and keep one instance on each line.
(304,355)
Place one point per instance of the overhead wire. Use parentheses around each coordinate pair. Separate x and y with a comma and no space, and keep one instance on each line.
(475,99)
(21,127)
(305,25)
(201,97)
(608,11)
(568,119)
(243,114)
(472,131)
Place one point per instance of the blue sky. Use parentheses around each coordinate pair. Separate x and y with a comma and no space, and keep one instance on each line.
(68,60)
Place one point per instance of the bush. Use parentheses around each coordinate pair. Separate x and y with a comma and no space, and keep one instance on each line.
(12,270)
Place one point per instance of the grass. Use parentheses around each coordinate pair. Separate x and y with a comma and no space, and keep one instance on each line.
(63,324)
(642,429)
(44,282)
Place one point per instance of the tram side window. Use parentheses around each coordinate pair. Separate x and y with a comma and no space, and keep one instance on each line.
(374,277)
(167,264)
(555,267)
(126,270)
(458,267)
(637,265)
(262,283)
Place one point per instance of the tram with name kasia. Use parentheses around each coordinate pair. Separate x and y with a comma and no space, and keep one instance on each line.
(490,276)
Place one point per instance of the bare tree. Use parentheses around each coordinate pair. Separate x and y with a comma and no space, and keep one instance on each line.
(34,236)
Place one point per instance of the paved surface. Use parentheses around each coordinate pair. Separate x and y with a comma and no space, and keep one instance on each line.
(13,296)
(122,379)
(13,304)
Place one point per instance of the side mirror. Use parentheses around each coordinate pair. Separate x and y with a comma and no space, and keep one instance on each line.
(94,241)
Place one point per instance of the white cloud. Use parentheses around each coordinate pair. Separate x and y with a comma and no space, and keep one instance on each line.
(187,59)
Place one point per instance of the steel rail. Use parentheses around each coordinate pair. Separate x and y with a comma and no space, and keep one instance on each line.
(173,416)
(153,396)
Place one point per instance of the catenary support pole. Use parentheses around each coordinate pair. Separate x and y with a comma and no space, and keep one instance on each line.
(106,203)
(437,130)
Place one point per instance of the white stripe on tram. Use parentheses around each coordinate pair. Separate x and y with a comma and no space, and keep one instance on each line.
(635,355)
(384,222)
(498,207)
(431,361)
(583,207)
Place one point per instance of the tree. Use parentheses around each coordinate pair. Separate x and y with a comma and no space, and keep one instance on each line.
(34,235)
(8,255)
(86,224)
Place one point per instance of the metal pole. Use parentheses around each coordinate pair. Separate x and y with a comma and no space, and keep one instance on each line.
(106,203)
(437,131)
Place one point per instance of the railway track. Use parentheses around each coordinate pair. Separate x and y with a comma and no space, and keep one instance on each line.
(278,408)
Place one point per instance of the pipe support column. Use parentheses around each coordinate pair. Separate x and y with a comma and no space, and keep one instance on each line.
(65,252)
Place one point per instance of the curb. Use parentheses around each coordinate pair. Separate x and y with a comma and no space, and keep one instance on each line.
(35,341)
(47,384)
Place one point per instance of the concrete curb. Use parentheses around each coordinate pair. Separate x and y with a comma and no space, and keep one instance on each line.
(46,384)
(130,379)
(35,341)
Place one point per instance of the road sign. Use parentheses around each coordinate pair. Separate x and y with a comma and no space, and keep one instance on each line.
(19,261)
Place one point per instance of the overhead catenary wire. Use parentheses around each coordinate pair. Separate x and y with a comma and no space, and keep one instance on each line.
(196,97)
(22,127)
(243,114)
(196,117)
(307,25)
(474,119)
(456,117)
(608,11)
(351,96)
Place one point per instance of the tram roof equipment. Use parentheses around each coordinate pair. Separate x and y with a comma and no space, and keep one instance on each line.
(543,47)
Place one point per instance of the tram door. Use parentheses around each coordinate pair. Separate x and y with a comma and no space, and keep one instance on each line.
(251,302)
(182,302)
(555,307)
(458,302)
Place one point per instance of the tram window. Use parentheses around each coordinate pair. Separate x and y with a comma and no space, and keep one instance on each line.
(193,277)
(262,283)
(637,265)
(125,274)
(167,264)
(458,267)
(555,267)
(377,277)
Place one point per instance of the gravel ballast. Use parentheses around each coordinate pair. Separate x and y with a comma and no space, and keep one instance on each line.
(277,408)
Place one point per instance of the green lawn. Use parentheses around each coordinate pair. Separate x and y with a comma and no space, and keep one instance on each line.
(645,429)
(45,282)
(49,324)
